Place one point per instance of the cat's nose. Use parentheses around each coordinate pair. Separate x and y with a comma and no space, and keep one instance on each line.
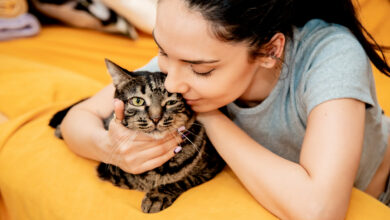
(155,120)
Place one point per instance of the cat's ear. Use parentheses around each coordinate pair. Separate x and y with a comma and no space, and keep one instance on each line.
(118,74)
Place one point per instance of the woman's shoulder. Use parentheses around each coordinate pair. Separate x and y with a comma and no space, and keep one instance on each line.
(328,63)
(317,34)
(318,41)
(319,29)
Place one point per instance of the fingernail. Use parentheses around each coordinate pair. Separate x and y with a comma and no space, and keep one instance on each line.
(116,102)
(181,129)
(177,149)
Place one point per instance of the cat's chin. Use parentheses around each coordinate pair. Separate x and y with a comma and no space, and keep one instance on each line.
(157,134)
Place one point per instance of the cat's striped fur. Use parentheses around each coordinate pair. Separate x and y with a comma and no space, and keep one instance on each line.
(198,161)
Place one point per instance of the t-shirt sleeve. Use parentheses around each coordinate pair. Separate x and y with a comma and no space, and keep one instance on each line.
(339,68)
(152,66)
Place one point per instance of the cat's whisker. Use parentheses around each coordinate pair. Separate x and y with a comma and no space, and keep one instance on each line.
(176,138)
(192,133)
(182,134)
(180,140)
(171,132)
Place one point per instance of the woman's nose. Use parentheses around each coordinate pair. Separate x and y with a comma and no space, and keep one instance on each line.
(175,81)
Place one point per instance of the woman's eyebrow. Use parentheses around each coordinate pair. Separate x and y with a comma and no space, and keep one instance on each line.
(186,61)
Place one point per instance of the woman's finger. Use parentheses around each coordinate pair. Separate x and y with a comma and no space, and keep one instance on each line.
(156,162)
(158,151)
(136,160)
(151,157)
(149,149)
(119,107)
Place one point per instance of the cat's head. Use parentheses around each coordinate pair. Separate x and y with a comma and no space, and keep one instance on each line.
(149,107)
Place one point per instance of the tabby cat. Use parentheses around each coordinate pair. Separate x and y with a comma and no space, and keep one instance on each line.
(151,109)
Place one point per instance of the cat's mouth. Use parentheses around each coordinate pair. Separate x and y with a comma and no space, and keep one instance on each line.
(158,134)
(163,128)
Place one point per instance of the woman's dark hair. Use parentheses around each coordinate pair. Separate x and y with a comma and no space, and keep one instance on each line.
(256,21)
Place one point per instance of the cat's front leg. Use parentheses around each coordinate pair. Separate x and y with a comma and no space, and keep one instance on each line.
(116,176)
(163,196)
(155,201)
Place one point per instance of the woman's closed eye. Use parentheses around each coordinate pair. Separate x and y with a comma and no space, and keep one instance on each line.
(162,53)
(201,72)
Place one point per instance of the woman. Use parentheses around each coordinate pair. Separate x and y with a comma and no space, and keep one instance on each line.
(304,123)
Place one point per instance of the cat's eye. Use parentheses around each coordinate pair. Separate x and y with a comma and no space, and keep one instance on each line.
(171,102)
(137,101)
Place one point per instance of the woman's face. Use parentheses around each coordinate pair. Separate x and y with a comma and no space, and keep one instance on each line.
(208,72)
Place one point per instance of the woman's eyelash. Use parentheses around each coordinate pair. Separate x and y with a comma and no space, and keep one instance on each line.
(162,53)
(205,74)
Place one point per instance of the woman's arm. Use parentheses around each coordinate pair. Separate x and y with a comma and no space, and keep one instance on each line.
(82,127)
(319,187)
(83,131)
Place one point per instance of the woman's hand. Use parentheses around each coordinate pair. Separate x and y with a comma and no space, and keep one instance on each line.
(135,152)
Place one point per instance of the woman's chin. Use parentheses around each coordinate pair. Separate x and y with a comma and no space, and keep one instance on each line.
(202,108)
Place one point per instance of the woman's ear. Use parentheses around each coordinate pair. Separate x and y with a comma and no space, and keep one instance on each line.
(272,51)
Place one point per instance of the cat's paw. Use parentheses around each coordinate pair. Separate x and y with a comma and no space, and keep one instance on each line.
(155,202)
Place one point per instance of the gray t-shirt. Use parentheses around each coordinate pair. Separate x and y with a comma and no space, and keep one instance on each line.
(322,62)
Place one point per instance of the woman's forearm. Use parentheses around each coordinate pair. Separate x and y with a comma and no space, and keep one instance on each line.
(82,127)
(84,134)
(282,186)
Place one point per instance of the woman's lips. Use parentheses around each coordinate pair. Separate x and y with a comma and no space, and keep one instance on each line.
(191,101)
